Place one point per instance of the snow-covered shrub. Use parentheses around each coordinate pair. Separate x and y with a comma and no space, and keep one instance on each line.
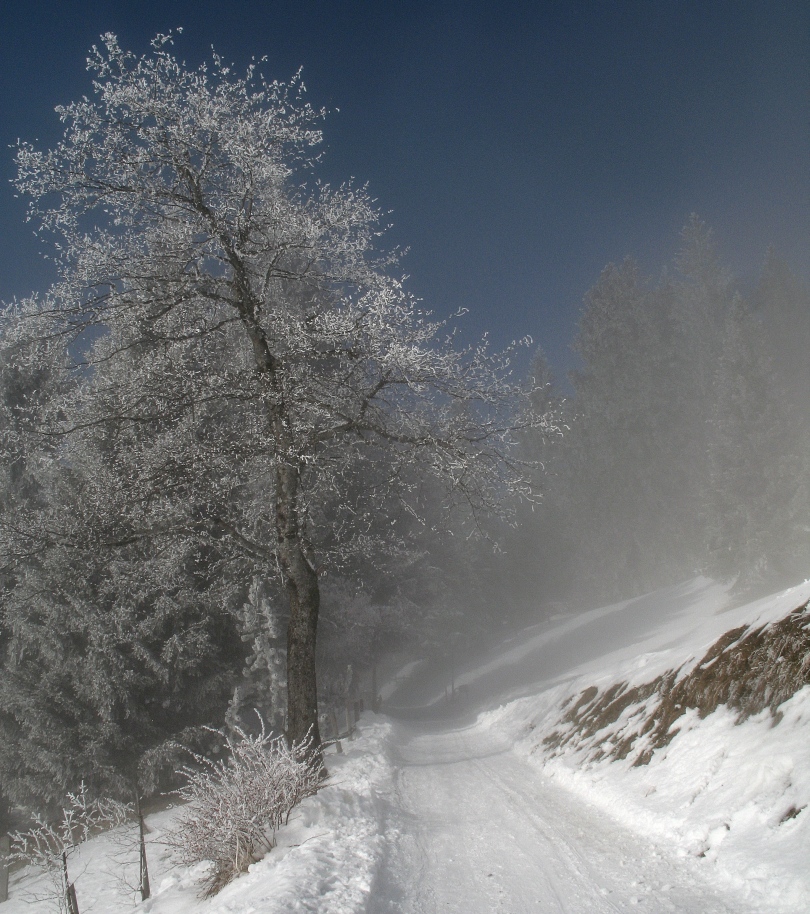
(48,845)
(236,805)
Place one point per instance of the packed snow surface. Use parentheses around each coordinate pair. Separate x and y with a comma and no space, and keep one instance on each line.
(477,831)
(454,805)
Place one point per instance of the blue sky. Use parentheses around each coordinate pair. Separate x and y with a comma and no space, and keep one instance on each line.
(519,146)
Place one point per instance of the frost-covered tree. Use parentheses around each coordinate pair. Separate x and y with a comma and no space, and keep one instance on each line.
(239,340)
(262,684)
(753,500)
(533,566)
(637,478)
(111,647)
(614,473)
(111,644)
(783,302)
(703,296)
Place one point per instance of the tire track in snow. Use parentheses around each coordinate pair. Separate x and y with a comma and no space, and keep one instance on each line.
(473,829)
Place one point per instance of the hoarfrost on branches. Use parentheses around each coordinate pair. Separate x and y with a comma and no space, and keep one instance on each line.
(239,342)
(236,805)
(49,845)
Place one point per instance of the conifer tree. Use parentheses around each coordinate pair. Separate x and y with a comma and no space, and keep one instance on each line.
(615,448)
(752,523)
(110,645)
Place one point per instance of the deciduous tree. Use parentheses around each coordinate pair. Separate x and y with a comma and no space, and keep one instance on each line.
(237,339)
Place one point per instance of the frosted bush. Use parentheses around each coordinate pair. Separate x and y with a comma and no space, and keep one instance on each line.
(236,805)
(49,845)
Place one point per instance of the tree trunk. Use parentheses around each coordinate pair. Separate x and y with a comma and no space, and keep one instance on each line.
(301,581)
(300,577)
(302,693)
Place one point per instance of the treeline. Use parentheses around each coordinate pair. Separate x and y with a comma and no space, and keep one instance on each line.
(686,449)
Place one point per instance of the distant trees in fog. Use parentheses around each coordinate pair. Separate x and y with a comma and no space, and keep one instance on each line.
(689,430)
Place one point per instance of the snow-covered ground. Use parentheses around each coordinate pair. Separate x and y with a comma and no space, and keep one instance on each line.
(325,859)
(477,831)
(722,796)
(458,807)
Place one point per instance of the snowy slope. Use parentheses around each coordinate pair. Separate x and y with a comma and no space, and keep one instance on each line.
(459,806)
(733,797)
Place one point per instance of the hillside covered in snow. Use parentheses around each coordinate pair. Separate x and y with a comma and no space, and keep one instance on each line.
(589,763)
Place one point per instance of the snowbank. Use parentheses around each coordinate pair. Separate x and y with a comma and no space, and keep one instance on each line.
(324,861)
(733,795)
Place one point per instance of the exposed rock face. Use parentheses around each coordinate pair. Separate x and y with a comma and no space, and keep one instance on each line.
(748,669)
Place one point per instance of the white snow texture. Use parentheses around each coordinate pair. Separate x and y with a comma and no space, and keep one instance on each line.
(456,807)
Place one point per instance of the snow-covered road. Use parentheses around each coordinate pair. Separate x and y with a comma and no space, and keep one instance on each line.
(450,806)
(473,828)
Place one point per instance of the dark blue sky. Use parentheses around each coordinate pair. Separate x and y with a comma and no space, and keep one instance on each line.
(520,146)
